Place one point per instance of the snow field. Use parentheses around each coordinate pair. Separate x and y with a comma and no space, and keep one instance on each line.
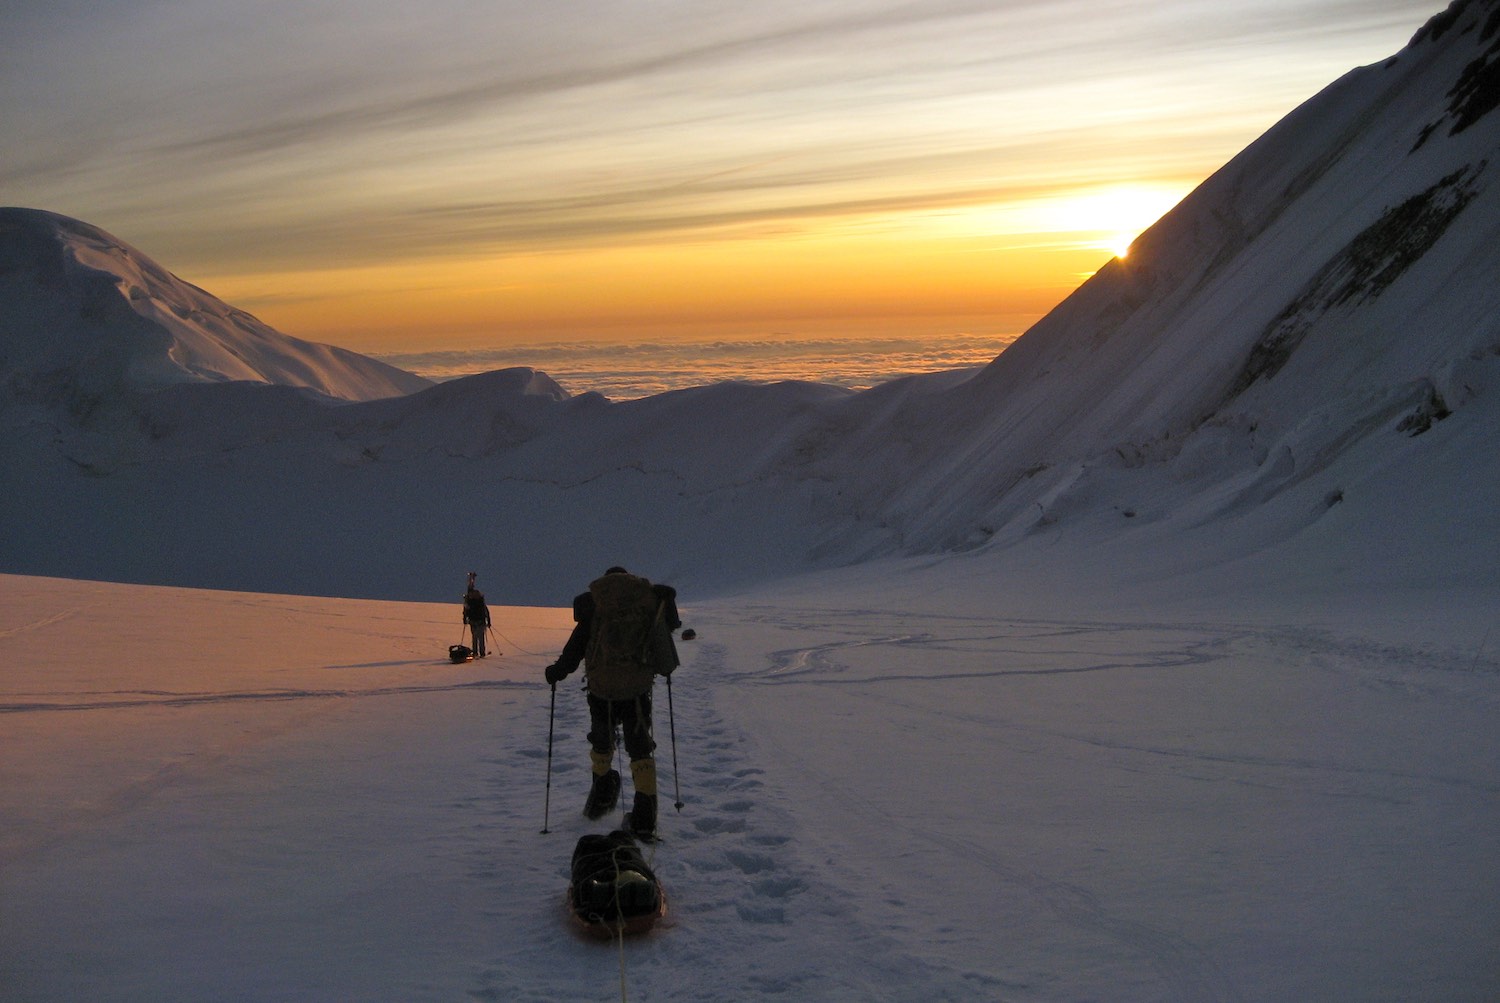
(899,799)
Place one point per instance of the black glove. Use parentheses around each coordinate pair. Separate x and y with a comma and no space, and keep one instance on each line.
(554,674)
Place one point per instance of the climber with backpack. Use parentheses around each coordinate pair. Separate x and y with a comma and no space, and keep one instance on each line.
(476,616)
(622,635)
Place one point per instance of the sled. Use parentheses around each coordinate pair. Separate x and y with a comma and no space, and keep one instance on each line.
(459,653)
(613,891)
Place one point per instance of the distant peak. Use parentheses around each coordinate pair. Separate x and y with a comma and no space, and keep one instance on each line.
(76,300)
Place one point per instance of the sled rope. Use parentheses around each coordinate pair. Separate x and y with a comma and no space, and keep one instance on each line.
(513,644)
(619,926)
(620,940)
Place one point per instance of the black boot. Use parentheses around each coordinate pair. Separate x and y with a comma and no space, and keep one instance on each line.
(604,795)
(641,819)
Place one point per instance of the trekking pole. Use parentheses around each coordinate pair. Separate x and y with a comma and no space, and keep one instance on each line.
(672,725)
(547,801)
(495,639)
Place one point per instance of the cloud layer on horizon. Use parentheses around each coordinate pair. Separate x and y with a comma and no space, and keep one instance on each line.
(626,372)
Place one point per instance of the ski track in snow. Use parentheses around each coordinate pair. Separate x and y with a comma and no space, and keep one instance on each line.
(41,624)
(124,699)
(819,666)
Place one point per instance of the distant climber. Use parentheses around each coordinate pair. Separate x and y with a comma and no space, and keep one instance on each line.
(476,615)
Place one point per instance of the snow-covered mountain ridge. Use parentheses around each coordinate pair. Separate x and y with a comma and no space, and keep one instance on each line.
(1332,288)
(1293,374)
(85,305)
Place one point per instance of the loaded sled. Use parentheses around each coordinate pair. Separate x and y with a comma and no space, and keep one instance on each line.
(613,890)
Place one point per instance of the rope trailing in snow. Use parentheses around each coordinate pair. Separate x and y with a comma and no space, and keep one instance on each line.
(513,644)
(620,926)
(620,940)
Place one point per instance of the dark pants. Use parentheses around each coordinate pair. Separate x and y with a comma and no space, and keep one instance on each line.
(632,716)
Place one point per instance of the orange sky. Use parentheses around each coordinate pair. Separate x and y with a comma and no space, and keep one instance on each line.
(858,277)
(458,176)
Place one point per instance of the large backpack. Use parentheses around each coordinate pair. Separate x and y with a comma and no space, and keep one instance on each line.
(618,659)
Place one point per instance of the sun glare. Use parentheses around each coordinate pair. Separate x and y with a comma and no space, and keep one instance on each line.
(1117,214)
(1107,218)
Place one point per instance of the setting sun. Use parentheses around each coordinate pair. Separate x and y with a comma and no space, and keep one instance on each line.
(1086,219)
(1116,215)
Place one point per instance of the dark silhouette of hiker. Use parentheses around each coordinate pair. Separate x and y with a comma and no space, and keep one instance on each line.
(476,615)
(623,636)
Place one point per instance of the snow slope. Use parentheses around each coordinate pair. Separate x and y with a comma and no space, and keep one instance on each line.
(1277,340)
